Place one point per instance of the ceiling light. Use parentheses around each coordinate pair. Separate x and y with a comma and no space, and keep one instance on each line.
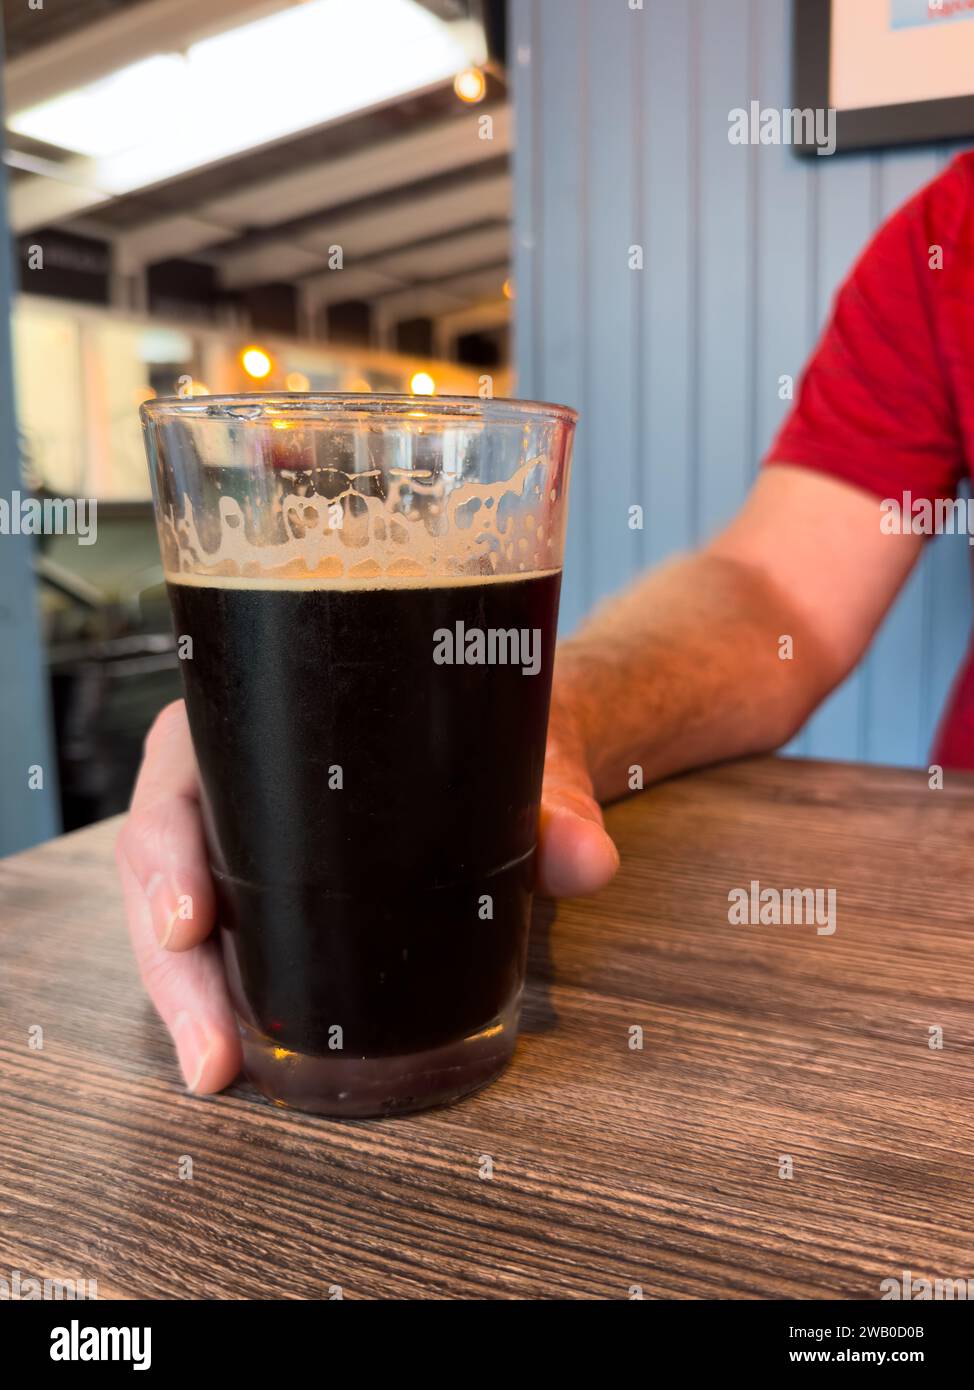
(255,362)
(292,70)
(470,85)
(112,114)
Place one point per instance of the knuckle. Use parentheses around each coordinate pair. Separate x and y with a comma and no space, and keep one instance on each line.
(161,971)
(158,831)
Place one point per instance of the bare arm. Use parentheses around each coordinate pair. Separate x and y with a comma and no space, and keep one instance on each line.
(684,668)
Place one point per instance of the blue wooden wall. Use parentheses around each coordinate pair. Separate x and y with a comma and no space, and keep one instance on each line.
(26,815)
(621,139)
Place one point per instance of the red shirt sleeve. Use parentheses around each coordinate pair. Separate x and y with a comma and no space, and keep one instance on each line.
(874,405)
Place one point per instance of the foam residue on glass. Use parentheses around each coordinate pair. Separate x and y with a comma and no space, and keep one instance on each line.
(393,522)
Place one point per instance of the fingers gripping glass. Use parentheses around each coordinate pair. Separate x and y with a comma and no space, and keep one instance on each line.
(366,591)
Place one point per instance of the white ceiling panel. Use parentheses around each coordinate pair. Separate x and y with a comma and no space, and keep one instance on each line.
(452,144)
(388,228)
(279,261)
(37,200)
(443,297)
(126,36)
(444,257)
(165,238)
(336,285)
(370,233)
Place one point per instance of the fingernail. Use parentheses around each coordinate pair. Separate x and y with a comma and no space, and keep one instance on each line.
(192,1047)
(163,902)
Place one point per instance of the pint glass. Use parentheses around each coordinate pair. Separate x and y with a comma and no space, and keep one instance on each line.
(364,593)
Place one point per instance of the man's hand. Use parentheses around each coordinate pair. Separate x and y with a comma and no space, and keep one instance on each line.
(161,857)
(575,855)
(162,862)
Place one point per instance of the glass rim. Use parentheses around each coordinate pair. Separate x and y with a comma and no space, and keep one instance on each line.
(254,407)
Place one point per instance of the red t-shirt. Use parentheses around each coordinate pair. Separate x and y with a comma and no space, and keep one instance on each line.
(887,401)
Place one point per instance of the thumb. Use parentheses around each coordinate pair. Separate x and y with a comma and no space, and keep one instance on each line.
(575,854)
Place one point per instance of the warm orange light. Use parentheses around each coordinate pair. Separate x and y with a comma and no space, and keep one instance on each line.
(507,289)
(255,362)
(297,381)
(470,85)
(198,388)
(422,384)
(358,383)
(143,393)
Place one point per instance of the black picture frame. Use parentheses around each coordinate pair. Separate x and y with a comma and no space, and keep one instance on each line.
(871,127)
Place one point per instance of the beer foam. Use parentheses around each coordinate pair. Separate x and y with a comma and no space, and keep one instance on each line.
(346,582)
(396,526)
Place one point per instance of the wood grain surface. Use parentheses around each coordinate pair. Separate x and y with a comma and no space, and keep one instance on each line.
(613,1167)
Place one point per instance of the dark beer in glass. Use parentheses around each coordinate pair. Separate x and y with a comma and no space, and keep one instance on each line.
(365,593)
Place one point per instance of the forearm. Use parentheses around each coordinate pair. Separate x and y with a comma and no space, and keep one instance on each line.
(687,668)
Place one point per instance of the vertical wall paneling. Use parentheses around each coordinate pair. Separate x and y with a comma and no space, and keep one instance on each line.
(562,332)
(726,292)
(784,233)
(525,160)
(622,120)
(550,255)
(27,815)
(668,358)
(611,453)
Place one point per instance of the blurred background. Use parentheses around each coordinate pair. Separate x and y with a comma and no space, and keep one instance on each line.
(437,196)
(211,198)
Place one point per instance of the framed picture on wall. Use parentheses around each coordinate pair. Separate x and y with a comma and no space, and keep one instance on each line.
(896,72)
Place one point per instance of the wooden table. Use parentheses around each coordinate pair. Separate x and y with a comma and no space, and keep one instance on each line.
(613,1167)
